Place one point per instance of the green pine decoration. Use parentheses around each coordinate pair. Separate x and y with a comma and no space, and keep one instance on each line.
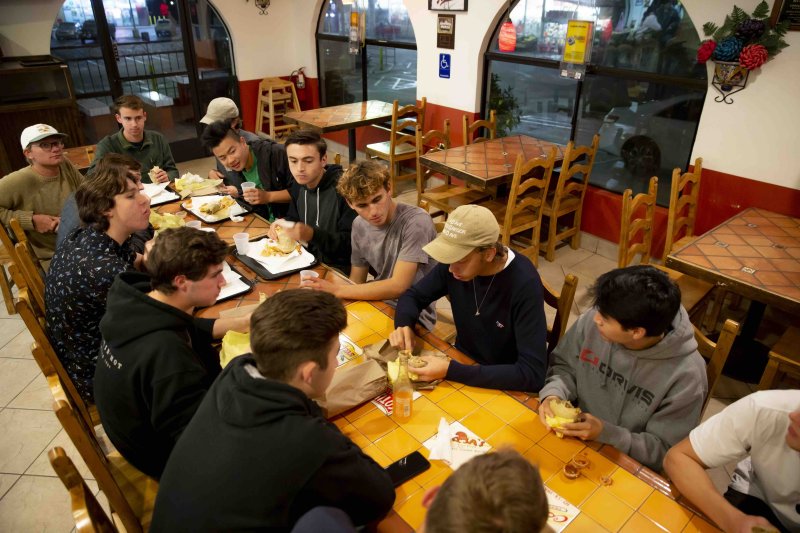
(772,39)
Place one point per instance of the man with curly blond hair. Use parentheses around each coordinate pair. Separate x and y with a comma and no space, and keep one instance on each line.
(386,238)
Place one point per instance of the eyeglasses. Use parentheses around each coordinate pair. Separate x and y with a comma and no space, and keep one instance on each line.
(49,145)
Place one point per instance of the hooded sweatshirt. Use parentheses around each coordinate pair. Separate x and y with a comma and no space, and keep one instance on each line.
(154,366)
(275,457)
(648,399)
(273,171)
(328,214)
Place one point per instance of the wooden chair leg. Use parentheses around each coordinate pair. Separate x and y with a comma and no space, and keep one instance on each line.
(5,287)
(769,375)
(716,308)
(552,228)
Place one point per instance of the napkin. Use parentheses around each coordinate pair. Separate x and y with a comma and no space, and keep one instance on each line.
(233,283)
(455,444)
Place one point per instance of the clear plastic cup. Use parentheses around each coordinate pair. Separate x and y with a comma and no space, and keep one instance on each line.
(194,224)
(308,274)
(248,185)
(242,241)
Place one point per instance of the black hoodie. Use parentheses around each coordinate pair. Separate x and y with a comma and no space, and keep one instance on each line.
(273,171)
(330,216)
(154,366)
(257,455)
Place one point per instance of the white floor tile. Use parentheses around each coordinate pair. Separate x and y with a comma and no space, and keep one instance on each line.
(567,257)
(15,375)
(10,328)
(36,395)
(607,249)
(36,504)
(42,467)
(19,347)
(6,481)
(25,434)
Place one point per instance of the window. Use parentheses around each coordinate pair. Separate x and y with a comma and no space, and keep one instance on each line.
(386,67)
(643,91)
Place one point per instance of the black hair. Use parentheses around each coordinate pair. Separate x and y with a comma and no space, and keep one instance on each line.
(303,137)
(216,132)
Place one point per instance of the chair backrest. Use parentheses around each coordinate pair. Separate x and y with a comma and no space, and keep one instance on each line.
(575,171)
(336,159)
(469,129)
(87,512)
(8,243)
(31,272)
(409,116)
(629,245)
(562,302)
(431,141)
(716,353)
(683,197)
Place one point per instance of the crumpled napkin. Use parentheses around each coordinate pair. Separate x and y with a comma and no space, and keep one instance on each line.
(441,448)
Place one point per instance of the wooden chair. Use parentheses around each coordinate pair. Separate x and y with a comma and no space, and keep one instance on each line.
(32,274)
(784,358)
(562,302)
(6,261)
(87,512)
(567,198)
(489,125)
(401,146)
(716,354)
(130,493)
(336,159)
(629,245)
(523,210)
(276,97)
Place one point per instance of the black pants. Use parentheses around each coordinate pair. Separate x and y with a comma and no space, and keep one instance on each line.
(753,506)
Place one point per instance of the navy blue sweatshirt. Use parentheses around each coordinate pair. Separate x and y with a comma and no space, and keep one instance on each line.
(508,339)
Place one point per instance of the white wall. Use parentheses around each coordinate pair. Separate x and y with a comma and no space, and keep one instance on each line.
(25,26)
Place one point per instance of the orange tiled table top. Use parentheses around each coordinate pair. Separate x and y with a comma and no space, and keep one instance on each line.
(488,163)
(637,500)
(342,117)
(253,224)
(755,253)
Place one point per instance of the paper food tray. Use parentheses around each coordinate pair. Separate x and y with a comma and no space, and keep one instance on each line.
(236,284)
(159,194)
(275,267)
(197,201)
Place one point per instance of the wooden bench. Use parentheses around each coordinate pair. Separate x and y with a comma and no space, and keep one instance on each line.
(784,358)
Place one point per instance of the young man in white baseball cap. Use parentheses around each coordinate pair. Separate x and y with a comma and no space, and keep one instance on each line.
(497,301)
(35,194)
(225,110)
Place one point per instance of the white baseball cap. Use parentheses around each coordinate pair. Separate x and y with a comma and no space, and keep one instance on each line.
(37,132)
(220,109)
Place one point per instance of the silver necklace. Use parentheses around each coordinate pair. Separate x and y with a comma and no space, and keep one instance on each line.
(475,294)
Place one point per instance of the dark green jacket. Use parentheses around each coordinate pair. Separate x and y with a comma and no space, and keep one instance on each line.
(154,152)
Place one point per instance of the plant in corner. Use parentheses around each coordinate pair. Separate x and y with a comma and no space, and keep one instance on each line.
(505,104)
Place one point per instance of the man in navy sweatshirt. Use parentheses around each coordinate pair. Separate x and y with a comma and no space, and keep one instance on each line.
(497,302)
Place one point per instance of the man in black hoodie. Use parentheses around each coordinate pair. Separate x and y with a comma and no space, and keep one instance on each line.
(156,361)
(322,217)
(258,453)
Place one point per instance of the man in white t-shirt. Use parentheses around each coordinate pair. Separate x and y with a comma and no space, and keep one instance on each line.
(763,431)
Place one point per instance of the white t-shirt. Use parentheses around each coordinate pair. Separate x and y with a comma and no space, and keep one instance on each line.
(756,424)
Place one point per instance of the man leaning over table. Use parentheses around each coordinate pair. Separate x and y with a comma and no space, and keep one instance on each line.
(497,301)
(156,360)
(149,148)
(762,432)
(35,194)
(321,216)
(262,162)
(225,110)
(387,240)
(631,364)
(258,453)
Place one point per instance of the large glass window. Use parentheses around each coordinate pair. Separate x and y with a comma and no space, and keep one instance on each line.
(386,67)
(643,91)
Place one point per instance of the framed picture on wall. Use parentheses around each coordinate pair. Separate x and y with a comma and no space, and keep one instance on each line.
(447,5)
(786,10)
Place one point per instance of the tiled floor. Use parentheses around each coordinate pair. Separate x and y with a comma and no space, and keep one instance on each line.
(32,498)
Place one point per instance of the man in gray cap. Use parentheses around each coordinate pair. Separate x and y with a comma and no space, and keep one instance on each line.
(35,194)
(225,110)
(497,301)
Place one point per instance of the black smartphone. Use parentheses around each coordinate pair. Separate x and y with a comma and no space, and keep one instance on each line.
(407,467)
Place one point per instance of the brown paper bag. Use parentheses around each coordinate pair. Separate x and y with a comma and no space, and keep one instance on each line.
(353,386)
(383,352)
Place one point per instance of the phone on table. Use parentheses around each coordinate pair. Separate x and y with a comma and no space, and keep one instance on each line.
(407,467)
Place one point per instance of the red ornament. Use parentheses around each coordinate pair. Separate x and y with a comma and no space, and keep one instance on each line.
(508,37)
(705,50)
(753,56)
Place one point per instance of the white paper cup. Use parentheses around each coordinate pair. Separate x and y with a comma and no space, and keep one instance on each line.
(242,242)
(194,224)
(308,274)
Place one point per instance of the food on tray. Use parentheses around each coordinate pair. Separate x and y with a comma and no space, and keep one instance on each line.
(166,221)
(191,183)
(217,207)
(563,413)
(284,246)
(153,173)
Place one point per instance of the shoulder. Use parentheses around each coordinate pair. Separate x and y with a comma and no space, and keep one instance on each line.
(108,142)
(412,215)
(18,178)
(155,136)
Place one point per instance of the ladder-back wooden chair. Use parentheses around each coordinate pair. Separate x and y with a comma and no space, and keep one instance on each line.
(784,358)
(8,259)
(632,225)
(568,196)
(401,146)
(32,274)
(522,212)
(489,125)
(562,302)
(716,354)
(87,513)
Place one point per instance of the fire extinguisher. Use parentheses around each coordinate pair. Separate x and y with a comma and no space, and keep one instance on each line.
(299,80)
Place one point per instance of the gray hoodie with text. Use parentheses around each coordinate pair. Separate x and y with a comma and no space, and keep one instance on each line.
(648,399)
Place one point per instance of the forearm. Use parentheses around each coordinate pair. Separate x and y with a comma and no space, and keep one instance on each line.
(25,218)
(386,289)
(504,377)
(223,325)
(647,448)
(277,197)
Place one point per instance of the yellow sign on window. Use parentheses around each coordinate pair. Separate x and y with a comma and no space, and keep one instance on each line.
(578,46)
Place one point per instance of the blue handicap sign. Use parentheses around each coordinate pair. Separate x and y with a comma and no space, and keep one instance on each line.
(444,65)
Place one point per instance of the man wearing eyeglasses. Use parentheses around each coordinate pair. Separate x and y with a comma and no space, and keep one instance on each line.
(35,194)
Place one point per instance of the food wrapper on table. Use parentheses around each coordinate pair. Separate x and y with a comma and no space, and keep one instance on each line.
(352,386)
(194,185)
(455,444)
(387,356)
(234,344)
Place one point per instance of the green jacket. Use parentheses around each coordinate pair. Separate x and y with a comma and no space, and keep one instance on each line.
(154,152)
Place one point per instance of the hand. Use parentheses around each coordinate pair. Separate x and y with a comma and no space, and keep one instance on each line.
(230,190)
(162,176)
(435,369)
(215,174)
(256,196)
(402,338)
(140,263)
(45,223)
(300,232)
(588,428)
(320,284)
(271,232)
(545,411)
(745,524)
